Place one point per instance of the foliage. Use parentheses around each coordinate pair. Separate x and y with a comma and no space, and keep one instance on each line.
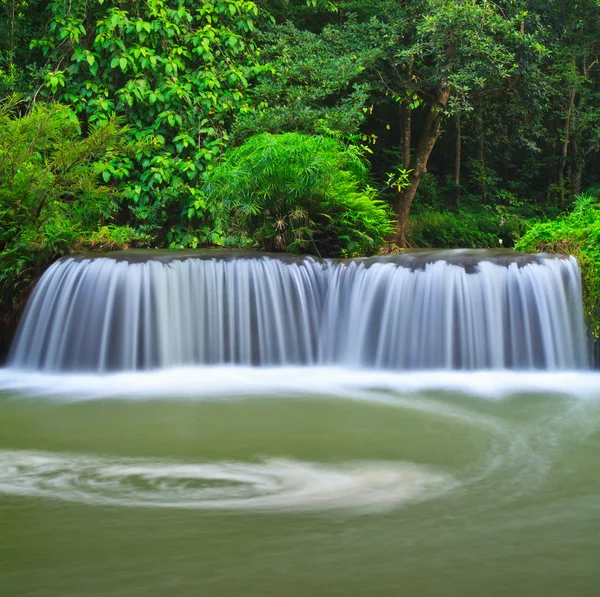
(573,73)
(298,193)
(577,234)
(20,22)
(314,80)
(51,198)
(175,70)
(470,229)
(497,105)
(523,78)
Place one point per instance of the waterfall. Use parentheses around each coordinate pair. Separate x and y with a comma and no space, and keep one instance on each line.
(452,310)
(442,317)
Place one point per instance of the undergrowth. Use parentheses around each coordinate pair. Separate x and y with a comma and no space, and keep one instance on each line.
(577,234)
(297,193)
(465,228)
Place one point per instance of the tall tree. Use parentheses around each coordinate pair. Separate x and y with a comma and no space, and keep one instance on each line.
(441,56)
(316,81)
(572,31)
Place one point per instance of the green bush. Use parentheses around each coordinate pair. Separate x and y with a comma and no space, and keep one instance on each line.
(465,229)
(577,234)
(297,193)
(51,198)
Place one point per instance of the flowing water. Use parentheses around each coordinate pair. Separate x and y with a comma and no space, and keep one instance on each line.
(409,312)
(344,476)
(300,482)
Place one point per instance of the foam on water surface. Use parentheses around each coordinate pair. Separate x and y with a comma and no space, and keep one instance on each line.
(239,382)
(273,484)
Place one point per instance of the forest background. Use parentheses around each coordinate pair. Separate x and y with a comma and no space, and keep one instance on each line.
(333,128)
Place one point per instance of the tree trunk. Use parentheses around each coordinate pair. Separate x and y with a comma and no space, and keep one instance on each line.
(406,125)
(481,154)
(418,163)
(578,165)
(457,159)
(565,150)
(406,133)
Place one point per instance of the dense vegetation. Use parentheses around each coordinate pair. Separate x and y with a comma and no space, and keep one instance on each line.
(51,197)
(578,234)
(297,193)
(296,125)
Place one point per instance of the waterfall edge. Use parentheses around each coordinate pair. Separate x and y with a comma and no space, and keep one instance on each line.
(462,309)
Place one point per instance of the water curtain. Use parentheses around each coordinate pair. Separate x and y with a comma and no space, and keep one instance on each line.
(453,310)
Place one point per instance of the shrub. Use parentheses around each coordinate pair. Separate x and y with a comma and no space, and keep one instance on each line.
(297,193)
(176,71)
(465,229)
(51,200)
(577,234)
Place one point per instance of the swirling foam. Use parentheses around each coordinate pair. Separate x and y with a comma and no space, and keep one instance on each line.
(273,484)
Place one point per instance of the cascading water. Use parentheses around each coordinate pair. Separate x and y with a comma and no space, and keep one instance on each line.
(443,317)
(456,310)
(106,314)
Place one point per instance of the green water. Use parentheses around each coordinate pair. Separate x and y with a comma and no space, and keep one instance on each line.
(418,495)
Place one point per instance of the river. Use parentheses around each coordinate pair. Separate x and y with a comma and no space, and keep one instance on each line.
(220,481)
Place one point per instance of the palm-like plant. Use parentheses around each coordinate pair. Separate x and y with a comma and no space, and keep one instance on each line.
(297,193)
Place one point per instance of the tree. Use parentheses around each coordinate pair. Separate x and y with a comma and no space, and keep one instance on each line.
(572,32)
(440,56)
(474,106)
(315,81)
(176,71)
(52,199)
(20,22)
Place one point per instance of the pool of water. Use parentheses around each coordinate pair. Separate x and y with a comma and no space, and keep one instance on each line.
(292,482)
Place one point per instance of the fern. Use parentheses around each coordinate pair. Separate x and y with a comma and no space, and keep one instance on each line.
(297,193)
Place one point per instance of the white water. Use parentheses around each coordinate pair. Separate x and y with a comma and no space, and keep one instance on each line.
(234,382)
(103,314)
(274,484)
(516,317)
(106,314)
